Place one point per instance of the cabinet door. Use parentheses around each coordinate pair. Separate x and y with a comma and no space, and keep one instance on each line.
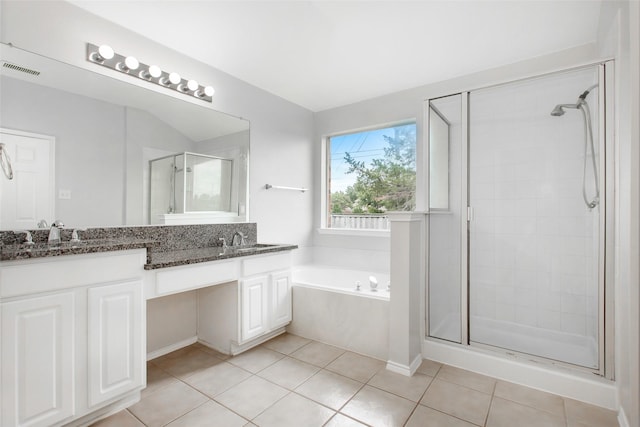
(37,360)
(115,339)
(280,299)
(254,305)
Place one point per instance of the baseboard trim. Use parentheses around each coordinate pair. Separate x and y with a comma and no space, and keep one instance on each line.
(173,347)
(99,414)
(404,369)
(622,418)
(239,348)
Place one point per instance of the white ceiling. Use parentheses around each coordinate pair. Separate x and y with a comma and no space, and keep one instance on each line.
(324,54)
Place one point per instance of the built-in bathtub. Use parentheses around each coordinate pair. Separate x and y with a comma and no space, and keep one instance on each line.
(327,307)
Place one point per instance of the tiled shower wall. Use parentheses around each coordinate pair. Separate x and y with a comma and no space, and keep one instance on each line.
(533,242)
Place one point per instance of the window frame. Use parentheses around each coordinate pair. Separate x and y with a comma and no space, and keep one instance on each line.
(325,165)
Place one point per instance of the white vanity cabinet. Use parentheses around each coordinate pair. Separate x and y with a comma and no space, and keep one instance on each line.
(254,307)
(38,338)
(233,318)
(72,337)
(265,304)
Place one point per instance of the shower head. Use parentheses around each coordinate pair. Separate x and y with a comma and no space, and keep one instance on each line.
(557,111)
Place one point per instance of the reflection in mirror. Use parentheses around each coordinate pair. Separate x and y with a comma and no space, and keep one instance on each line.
(187,183)
(447,210)
(104,132)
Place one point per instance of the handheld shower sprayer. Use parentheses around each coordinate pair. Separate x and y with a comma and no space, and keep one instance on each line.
(583,106)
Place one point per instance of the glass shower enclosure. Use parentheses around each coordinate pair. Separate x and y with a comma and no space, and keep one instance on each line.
(517,246)
(190,183)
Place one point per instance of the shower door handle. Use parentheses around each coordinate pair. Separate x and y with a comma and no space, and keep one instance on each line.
(469,213)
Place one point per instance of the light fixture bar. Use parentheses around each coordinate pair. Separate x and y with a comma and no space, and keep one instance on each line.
(105,56)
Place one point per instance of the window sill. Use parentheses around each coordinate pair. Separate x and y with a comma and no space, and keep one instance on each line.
(354,232)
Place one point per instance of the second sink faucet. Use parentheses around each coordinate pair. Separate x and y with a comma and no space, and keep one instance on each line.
(54,232)
(238,236)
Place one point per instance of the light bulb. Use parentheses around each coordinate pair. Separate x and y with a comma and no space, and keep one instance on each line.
(155,71)
(105,52)
(152,72)
(207,91)
(131,63)
(175,78)
(192,85)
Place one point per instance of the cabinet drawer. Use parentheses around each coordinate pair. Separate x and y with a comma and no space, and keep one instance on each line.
(266,263)
(37,275)
(195,276)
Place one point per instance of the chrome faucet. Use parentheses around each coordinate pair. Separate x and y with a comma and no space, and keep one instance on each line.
(28,238)
(234,241)
(223,244)
(54,232)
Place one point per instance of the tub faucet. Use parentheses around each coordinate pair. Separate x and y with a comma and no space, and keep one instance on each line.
(54,232)
(373,283)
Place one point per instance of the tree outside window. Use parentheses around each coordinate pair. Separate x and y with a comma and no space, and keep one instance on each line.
(371,173)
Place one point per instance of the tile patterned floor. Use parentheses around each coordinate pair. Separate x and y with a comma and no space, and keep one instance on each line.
(292,381)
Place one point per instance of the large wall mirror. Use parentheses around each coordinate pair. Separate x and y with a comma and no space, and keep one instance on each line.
(82,145)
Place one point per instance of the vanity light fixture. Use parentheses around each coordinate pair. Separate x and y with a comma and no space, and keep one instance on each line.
(104,55)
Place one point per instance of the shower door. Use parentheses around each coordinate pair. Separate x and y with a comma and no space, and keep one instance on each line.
(536,193)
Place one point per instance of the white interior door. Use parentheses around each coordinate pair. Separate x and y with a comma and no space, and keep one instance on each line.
(29,196)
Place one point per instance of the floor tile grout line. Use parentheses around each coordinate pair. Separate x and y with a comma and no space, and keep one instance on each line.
(213,398)
(269,407)
(411,414)
(188,412)
(537,408)
(462,385)
(134,416)
(493,393)
(449,415)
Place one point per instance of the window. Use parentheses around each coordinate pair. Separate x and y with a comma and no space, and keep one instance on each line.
(370,173)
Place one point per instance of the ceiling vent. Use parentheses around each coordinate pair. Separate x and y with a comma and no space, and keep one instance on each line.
(15,67)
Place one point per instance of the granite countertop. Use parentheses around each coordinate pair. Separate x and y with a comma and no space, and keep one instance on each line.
(44,250)
(167,246)
(173,258)
(157,256)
